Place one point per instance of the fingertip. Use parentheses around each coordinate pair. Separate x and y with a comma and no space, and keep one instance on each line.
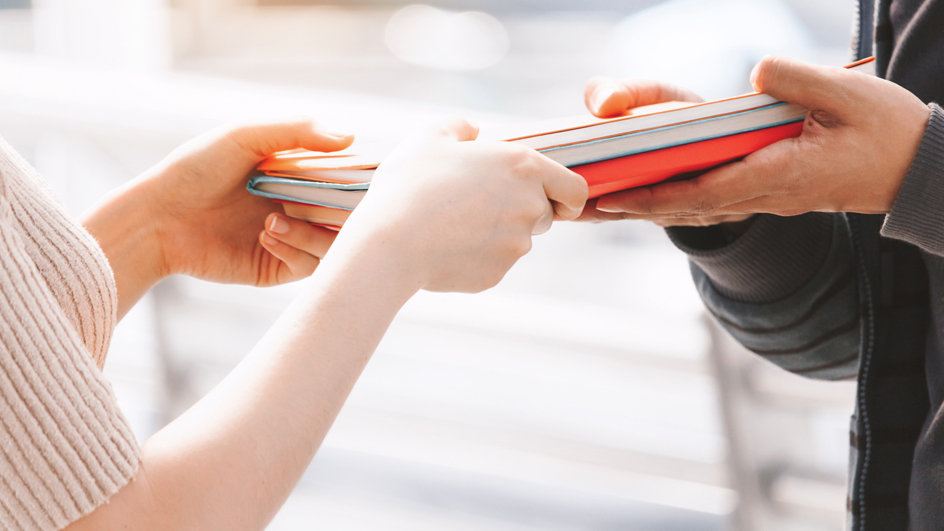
(343,139)
(606,97)
(327,141)
(270,219)
(267,240)
(611,101)
(604,205)
(564,212)
(315,136)
(754,72)
(568,212)
(474,133)
(262,138)
(763,70)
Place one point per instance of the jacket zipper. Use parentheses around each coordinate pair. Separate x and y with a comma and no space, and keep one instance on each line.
(855,229)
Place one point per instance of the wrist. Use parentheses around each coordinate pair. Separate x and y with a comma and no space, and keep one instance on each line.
(378,256)
(911,145)
(125,226)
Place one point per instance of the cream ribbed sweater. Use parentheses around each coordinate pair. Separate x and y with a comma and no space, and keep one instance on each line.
(65,448)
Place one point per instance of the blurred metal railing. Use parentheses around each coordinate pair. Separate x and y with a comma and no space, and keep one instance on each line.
(787,440)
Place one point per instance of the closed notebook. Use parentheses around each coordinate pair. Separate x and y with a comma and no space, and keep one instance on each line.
(326,194)
(649,145)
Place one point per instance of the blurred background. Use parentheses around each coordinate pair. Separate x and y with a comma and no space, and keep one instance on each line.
(587,391)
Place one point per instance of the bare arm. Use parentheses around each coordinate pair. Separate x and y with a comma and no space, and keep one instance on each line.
(440,215)
(190,214)
(232,460)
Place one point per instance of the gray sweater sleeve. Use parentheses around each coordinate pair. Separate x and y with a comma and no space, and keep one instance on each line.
(918,214)
(785,289)
(768,262)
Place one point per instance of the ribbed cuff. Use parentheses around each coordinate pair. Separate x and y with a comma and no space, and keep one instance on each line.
(918,214)
(770,261)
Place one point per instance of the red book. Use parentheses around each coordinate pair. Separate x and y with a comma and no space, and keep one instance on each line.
(655,166)
(649,145)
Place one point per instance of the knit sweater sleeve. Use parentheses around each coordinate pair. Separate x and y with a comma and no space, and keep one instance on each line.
(917,216)
(65,448)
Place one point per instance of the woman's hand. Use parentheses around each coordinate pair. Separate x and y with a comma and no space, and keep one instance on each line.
(442,214)
(459,214)
(191,214)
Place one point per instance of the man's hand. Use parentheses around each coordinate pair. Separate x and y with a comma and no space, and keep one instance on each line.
(858,141)
(606,98)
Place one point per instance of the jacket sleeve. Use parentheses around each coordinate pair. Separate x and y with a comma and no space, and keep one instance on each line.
(785,289)
(918,214)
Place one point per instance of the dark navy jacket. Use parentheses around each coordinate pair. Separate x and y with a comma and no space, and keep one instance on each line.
(859,295)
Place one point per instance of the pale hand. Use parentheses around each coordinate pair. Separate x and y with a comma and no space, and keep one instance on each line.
(191,214)
(440,214)
(459,213)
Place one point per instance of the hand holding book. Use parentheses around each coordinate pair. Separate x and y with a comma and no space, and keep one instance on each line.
(855,149)
(606,97)
(459,213)
(647,145)
(190,214)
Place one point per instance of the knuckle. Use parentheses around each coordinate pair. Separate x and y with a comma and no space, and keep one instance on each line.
(792,188)
(521,247)
(536,209)
(306,120)
(308,269)
(239,132)
(700,206)
(640,202)
(523,161)
(491,279)
(494,281)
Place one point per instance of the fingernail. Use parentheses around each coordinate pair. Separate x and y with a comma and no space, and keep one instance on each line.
(279,225)
(268,240)
(602,94)
(608,209)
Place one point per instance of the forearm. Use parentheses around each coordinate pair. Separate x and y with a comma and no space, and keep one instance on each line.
(230,461)
(770,259)
(124,224)
(791,294)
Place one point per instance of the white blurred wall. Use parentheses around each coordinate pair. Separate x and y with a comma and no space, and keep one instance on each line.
(576,395)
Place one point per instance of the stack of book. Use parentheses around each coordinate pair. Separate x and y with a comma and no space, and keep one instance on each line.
(649,145)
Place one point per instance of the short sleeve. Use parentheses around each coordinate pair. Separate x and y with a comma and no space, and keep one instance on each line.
(65,447)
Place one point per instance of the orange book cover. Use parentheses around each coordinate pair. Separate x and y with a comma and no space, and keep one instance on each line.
(612,175)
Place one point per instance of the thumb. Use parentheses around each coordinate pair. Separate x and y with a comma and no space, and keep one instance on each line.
(265,138)
(817,88)
(606,97)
